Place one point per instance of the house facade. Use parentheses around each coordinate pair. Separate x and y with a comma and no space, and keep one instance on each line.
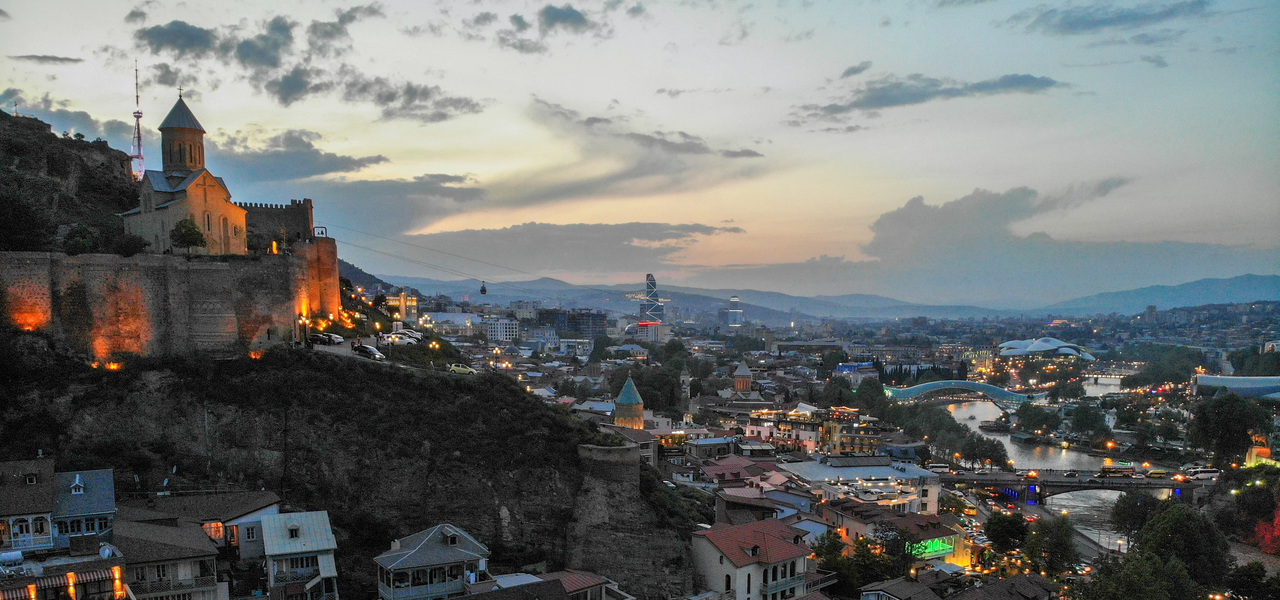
(171,561)
(763,560)
(41,509)
(299,551)
(439,562)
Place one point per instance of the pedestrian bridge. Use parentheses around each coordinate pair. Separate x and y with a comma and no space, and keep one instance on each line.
(1003,398)
(1053,482)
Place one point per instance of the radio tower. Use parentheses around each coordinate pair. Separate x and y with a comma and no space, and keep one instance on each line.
(135,150)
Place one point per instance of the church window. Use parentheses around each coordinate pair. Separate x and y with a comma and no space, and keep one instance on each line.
(182,154)
(208,222)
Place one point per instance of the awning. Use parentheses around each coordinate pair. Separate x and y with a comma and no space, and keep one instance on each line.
(327,566)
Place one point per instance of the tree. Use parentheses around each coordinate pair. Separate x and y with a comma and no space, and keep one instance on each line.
(1006,532)
(1142,575)
(1051,544)
(186,235)
(128,244)
(1033,418)
(1088,420)
(1181,532)
(1250,581)
(1131,513)
(829,362)
(1225,424)
(871,397)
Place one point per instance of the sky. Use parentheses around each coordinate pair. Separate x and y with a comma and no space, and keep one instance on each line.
(993,152)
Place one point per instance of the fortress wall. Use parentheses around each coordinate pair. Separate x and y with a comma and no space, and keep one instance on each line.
(294,219)
(106,305)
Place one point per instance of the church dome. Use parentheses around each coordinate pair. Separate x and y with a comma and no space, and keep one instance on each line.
(629,395)
(180,117)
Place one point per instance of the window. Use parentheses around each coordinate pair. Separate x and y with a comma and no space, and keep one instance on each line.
(90,525)
(139,574)
(293,532)
(728,583)
(208,222)
(77,489)
(21,527)
(748,583)
(453,540)
(250,533)
(31,478)
(77,526)
(40,525)
(103,524)
(60,527)
(303,562)
(924,492)
(162,572)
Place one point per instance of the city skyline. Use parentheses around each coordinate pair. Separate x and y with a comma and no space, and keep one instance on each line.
(988,152)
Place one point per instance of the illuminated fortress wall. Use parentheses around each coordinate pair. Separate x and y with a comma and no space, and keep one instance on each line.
(107,305)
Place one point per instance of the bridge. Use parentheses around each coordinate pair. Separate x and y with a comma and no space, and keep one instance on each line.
(1005,399)
(1053,482)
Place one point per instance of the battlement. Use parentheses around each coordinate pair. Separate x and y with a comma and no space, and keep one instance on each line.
(292,205)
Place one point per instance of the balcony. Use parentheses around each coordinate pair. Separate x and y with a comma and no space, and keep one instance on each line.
(429,590)
(818,580)
(171,585)
(778,585)
(295,576)
(28,542)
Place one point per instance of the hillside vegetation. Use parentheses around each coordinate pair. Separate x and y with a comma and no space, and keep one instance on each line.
(386,452)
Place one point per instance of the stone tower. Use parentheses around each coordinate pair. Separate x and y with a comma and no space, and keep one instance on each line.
(629,407)
(182,140)
(742,378)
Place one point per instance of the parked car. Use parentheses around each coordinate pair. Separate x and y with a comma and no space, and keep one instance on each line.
(322,339)
(369,352)
(462,369)
(1071,474)
(396,339)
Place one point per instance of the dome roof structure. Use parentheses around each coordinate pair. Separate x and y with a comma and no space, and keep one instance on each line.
(1044,345)
(180,117)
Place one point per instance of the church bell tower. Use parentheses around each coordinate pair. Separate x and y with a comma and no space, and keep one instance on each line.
(182,140)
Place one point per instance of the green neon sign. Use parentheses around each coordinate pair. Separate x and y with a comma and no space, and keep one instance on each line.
(934,547)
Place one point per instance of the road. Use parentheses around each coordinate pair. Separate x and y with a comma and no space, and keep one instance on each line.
(1088,549)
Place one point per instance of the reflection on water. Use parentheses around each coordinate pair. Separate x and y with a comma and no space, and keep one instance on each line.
(1090,510)
(1100,386)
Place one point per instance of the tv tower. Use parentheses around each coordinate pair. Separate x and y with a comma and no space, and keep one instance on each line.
(135,150)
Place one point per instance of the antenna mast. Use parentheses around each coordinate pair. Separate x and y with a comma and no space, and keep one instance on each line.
(135,151)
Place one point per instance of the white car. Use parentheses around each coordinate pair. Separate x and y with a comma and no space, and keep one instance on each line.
(396,339)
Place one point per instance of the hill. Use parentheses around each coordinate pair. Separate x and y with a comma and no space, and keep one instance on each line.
(62,193)
(386,452)
(1244,288)
(357,276)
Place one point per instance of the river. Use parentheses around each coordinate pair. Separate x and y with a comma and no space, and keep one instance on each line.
(1090,510)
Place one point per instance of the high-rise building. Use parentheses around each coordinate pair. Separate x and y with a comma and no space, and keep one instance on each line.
(651,308)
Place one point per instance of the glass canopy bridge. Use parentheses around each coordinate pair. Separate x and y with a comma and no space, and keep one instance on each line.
(1005,399)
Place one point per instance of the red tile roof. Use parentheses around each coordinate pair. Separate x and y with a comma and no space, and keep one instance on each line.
(576,581)
(774,542)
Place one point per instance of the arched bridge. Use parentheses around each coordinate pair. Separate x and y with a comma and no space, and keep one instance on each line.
(1003,398)
(1051,483)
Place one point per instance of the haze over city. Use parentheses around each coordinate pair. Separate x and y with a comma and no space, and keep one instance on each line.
(1004,153)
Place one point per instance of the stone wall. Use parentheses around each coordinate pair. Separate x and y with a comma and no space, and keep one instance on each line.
(106,305)
(269,220)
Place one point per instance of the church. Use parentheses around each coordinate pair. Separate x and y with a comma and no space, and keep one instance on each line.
(185,189)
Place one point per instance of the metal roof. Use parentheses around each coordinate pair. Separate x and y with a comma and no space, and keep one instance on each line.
(148,542)
(629,394)
(180,117)
(431,547)
(17,497)
(98,496)
(314,533)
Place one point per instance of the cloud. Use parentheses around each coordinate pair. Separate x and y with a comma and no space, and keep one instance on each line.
(799,36)
(578,248)
(614,161)
(564,17)
(180,38)
(46,59)
(1158,38)
(136,15)
(297,84)
(912,256)
(264,50)
(404,100)
(165,75)
(291,154)
(950,3)
(845,129)
(519,23)
(4,16)
(1155,60)
(328,38)
(636,10)
(1075,20)
(480,20)
(743,153)
(893,91)
(508,39)
(857,69)
(737,33)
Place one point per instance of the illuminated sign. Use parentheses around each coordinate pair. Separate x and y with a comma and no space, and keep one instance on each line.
(932,548)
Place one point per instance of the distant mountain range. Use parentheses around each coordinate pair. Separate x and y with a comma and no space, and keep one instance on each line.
(775,308)
(1245,288)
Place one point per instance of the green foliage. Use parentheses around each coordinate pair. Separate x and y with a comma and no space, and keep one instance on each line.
(1181,532)
(681,509)
(856,565)
(186,234)
(128,244)
(600,348)
(658,386)
(829,362)
(1174,364)
(1050,544)
(871,397)
(1251,362)
(946,435)
(1224,424)
(1142,575)
(423,355)
(1032,418)
(1131,512)
(1089,420)
(1006,532)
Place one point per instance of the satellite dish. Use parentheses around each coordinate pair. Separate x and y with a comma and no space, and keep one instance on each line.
(483,290)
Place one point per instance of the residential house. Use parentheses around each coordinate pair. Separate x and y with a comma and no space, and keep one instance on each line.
(299,551)
(168,559)
(439,562)
(233,520)
(648,443)
(765,560)
(902,588)
(42,510)
(1028,586)
(585,585)
(932,536)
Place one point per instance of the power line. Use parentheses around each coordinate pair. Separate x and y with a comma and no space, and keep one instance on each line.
(447,253)
(445,269)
